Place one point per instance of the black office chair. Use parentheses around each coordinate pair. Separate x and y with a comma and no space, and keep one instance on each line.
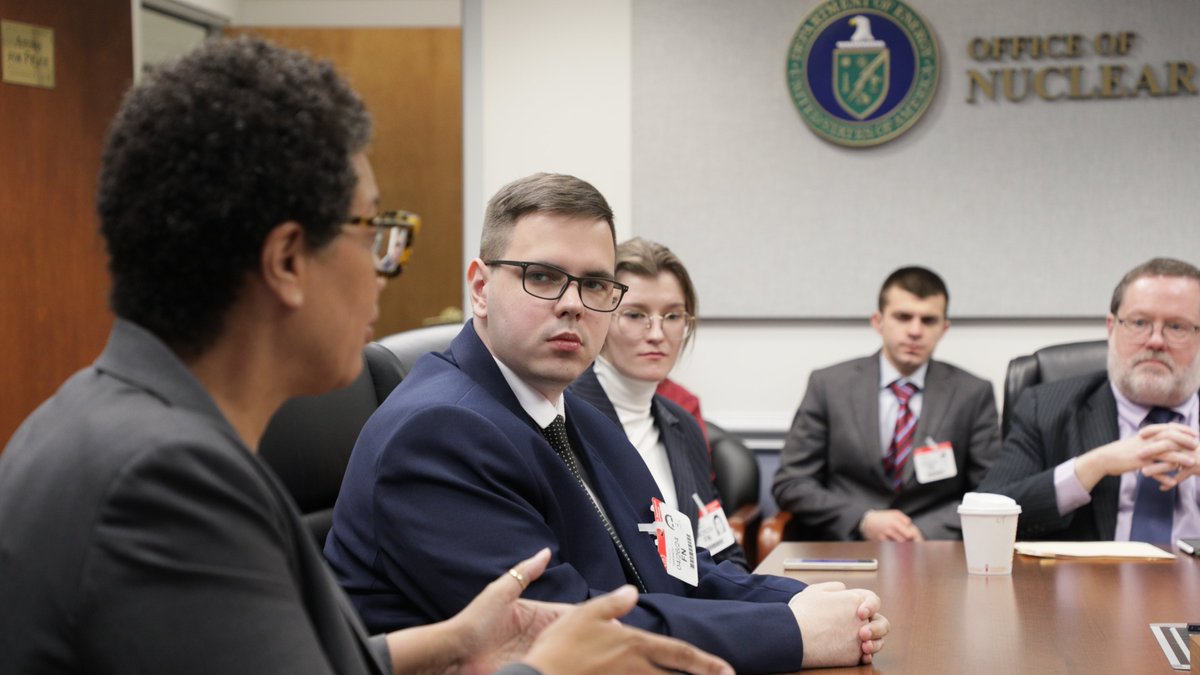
(736,475)
(1056,362)
(308,441)
(409,345)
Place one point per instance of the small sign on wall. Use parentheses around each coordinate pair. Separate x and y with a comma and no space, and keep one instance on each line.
(28,54)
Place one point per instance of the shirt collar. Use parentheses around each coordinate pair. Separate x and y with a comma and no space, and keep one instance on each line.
(532,402)
(1132,414)
(888,374)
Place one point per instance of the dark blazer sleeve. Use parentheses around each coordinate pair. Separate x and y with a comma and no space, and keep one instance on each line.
(801,483)
(194,559)
(691,467)
(1052,423)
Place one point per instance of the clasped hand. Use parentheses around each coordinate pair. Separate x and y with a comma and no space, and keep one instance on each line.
(839,626)
(1168,453)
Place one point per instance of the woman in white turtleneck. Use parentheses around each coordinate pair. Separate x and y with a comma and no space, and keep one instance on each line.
(649,330)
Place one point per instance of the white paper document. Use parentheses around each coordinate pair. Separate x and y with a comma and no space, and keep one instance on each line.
(1127,550)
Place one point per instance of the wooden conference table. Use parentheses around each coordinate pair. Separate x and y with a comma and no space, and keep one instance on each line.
(1050,616)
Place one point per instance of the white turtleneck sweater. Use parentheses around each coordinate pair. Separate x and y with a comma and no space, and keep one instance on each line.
(631,398)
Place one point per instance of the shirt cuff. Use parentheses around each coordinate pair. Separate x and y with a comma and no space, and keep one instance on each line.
(1068,491)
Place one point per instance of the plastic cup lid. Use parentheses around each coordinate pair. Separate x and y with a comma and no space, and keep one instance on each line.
(987,504)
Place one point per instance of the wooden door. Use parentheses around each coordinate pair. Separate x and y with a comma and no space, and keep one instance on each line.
(411,81)
(53,284)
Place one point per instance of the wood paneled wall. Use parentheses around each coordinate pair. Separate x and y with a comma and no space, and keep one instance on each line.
(411,81)
(53,311)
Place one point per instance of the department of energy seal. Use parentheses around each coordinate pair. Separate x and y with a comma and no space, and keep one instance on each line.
(861,72)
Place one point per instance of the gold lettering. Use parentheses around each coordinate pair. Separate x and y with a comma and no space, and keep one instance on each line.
(1010,77)
(1110,80)
(1076,76)
(1147,82)
(1124,42)
(1039,83)
(985,86)
(1180,74)
(1073,42)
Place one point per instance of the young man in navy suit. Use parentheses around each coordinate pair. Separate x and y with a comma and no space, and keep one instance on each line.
(457,470)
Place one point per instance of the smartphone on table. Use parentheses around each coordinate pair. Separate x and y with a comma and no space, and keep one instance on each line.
(840,564)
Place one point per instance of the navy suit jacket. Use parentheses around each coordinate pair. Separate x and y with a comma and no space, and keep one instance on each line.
(451,482)
(1052,423)
(687,452)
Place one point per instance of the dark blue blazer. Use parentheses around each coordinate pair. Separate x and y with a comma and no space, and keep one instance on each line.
(1052,423)
(451,483)
(687,452)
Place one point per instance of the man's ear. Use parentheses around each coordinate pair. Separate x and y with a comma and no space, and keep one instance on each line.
(478,276)
(877,322)
(283,263)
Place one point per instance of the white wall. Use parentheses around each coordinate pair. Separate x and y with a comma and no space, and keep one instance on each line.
(751,376)
(551,87)
(549,83)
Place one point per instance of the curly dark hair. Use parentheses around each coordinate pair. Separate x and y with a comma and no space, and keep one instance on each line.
(205,157)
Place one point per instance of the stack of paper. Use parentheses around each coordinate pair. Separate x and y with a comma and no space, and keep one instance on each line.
(1125,550)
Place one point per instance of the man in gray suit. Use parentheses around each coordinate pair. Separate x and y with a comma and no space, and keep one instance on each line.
(883,447)
(1112,455)
(139,532)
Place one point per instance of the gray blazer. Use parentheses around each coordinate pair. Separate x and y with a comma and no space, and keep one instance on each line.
(139,535)
(831,469)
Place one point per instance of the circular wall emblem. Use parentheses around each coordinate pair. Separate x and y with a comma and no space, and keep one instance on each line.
(862,75)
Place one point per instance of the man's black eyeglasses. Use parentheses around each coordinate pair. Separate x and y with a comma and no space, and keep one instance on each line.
(548,282)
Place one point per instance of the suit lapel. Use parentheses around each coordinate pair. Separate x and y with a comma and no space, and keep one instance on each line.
(619,476)
(935,402)
(468,352)
(865,404)
(673,438)
(1097,426)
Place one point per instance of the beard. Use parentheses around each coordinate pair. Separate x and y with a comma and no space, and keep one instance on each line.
(1152,388)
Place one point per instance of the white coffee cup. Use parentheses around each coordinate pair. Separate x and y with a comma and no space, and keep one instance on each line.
(989,526)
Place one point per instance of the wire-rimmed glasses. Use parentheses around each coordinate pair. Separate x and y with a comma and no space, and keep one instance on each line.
(634,323)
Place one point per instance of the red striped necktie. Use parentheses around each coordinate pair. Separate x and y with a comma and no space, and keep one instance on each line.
(902,438)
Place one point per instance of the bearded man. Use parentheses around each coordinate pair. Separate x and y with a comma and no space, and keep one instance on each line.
(1113,455)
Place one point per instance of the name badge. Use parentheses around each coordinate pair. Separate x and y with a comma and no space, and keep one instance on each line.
(713,531)
(676,547)
(934,461)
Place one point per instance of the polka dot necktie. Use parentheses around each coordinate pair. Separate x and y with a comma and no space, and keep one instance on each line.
(556,435)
